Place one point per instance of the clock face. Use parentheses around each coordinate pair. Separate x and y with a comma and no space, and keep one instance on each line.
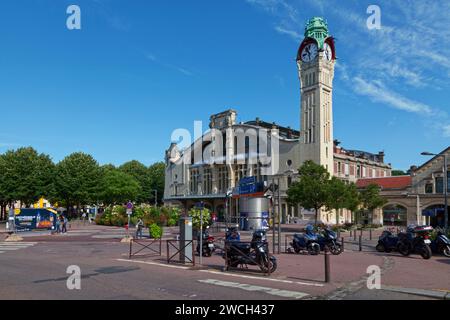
(309,52)
(327,52)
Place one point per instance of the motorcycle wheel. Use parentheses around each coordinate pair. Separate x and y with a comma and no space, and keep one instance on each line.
(297,250)
(425,252)
(314,250)
(446,251)
(271,265)
(380,247)
(403,249)
(336,249)
(274,265)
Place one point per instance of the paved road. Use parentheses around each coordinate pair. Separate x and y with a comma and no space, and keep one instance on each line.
(36,269)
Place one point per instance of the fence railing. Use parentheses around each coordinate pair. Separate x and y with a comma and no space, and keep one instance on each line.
(179,251)
(145,246)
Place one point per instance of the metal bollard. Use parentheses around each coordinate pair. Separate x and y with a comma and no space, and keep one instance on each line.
(342,244)
(354,234)
(327,266)
(370,234)
(360,243)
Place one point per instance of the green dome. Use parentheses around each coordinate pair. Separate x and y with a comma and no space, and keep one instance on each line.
(317,28)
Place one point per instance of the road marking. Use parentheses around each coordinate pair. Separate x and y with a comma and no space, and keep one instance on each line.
(154,264)
(13,246)
(17,243)
(312,284)
(248,287)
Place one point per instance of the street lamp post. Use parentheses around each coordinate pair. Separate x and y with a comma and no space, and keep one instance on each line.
(444,155)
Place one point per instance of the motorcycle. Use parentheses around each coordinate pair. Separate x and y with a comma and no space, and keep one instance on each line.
(208,246)
(307,241)
(387,242)
(415,239)
(328,240)
(441,244)
(254,253)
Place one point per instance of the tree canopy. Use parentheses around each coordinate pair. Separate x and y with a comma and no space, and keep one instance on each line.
(311,190)
(118,187)
(77,180)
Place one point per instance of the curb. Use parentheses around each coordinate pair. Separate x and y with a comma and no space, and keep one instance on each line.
(442,295)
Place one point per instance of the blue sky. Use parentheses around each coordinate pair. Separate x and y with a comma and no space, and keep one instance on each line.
(140,69)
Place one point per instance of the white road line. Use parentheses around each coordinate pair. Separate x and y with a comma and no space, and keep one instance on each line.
(18,243)
(248,287)
(312,284)
(154,264)
(13,246)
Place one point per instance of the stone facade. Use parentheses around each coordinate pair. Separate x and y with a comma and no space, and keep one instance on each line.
(190,179)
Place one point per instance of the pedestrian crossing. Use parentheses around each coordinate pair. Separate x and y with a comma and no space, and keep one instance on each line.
(13,246)
(254,288)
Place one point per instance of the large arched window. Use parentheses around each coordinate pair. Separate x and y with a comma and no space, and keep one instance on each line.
(395,215)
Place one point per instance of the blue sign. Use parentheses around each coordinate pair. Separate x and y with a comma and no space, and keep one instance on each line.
(249,185)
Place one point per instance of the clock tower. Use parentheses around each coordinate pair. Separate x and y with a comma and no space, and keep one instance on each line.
(315,60)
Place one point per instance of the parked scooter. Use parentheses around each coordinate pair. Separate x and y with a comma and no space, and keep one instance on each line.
(415,240)
(327,239)
(441,244)
(387,242)
(208,245)
(306,242)
(254,253)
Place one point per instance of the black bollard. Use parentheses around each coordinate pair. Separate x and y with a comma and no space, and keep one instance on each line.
(370,234)
(342,244)
(327,267)
(360,243)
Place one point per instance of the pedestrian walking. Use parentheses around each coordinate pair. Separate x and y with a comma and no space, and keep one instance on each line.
(58,225)
(64,224)
(83,217)
(139,226)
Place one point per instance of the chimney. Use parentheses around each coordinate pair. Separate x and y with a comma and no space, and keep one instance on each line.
(381,156)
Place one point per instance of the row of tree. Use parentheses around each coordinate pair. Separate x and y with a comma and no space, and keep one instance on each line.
(315,189)
(76,181)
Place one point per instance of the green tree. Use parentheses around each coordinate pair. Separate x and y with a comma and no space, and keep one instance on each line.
(371,198)
(142,175)
(26,176)
(77,180)
(311,189)
(157,179)
(398,173)
(196,217)
(353,198)
(118,187)
(337,196)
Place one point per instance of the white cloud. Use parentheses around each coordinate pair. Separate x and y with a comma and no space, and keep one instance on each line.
(447,131)
(153,58)
(293,34)
(376,91)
